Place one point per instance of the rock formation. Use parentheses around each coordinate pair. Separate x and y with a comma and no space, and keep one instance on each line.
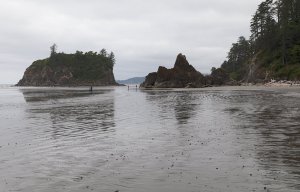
(184,75)
(181,75)
(70,70)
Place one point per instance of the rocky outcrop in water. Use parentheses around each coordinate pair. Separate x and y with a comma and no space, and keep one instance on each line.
(80,69)
(181,75)
(184,75)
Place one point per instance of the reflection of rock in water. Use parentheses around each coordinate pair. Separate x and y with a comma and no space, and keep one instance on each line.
(182,103)
(83,120)
(35,95)
(72,113)
(184,107)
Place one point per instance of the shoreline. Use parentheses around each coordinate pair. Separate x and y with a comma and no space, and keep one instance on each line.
(243,86)
(282,83)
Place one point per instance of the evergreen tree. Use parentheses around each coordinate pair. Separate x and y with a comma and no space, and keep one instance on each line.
(53,49)
(103,52)
(237,57)
(112,58)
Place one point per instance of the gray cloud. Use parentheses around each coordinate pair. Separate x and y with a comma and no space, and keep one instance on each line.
(143,34)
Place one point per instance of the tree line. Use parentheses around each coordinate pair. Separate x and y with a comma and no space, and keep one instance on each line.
(84,65)
(103,54)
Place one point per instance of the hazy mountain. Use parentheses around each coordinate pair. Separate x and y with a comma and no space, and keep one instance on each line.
(134,80)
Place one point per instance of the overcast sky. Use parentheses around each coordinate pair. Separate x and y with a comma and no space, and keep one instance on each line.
(142,34)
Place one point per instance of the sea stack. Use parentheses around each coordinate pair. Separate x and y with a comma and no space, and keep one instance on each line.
(79,69)
(180,76)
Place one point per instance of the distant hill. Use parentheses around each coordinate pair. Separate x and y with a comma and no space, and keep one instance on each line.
(134,80)
(78,69)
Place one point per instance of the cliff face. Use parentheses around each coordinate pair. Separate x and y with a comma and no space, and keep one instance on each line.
(181,75)
(70,70)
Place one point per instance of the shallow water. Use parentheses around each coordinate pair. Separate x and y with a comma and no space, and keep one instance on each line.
(216,139)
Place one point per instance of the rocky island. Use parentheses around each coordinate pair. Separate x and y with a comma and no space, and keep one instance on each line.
(184,75)
(79,69)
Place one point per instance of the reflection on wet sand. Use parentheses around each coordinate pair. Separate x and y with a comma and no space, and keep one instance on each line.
(73,113)
(183,103)
(185,107)
(270,121)
(265,124)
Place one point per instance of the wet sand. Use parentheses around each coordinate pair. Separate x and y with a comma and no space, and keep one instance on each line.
(211,139)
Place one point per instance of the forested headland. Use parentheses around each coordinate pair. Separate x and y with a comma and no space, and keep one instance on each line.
(273,49)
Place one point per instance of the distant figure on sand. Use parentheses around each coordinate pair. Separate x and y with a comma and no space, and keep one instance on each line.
(91,88)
